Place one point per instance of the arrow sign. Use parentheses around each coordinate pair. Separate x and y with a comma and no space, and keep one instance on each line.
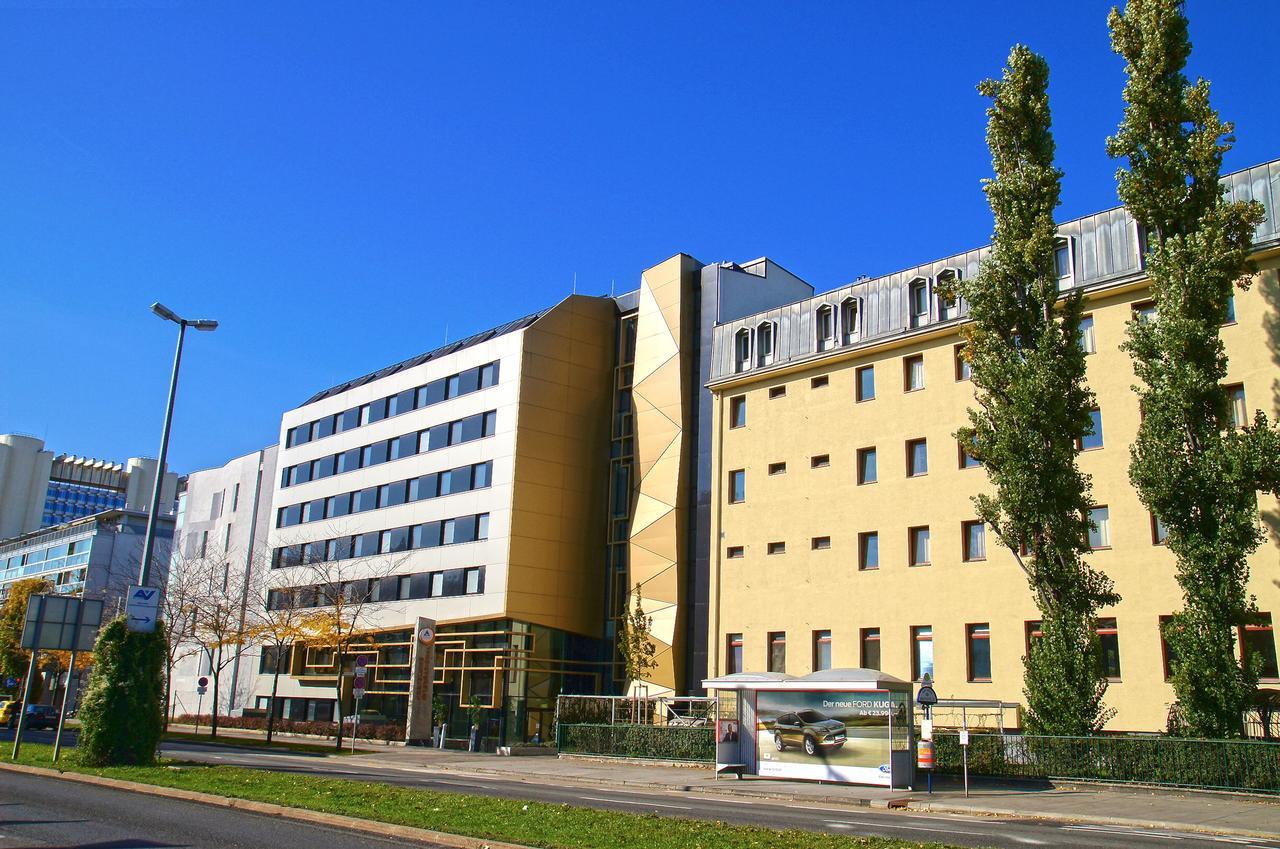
(142,609)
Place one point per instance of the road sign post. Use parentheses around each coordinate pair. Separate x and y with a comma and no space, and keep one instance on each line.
(358,684)
(55,622)
(926,697)
(202,684)
(964,748)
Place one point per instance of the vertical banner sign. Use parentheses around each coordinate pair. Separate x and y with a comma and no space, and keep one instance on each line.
(418,725)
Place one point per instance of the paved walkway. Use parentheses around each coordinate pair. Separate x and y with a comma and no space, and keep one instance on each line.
(1116,805)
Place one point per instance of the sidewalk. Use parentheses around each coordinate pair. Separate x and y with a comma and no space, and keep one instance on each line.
(1129,806)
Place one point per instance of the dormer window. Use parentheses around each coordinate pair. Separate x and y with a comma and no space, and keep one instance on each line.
(918,294)
(742,350)
(764,344)
(825,326)
(949,307)
(849,320)
(1064,263)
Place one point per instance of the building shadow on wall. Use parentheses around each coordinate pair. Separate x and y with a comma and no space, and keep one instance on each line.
(1269,281)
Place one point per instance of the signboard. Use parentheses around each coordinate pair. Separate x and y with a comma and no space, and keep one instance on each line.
(824,735)
(964,737)
(142,608)
(10,683)
(427,635)
(926,729)
(926,697)
(61,623)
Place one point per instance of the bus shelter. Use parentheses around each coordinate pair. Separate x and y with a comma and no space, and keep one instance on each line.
(845,725)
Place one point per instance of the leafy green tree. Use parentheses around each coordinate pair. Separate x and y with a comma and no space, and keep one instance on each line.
(122,712)
(635,643)
(14,659)
(1197,471)
(1033,404)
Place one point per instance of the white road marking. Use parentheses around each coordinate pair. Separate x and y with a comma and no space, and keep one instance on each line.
(1128,832)
(890,826)
(642,804)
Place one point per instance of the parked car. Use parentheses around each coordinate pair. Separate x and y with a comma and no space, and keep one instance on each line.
(9,713)
(810,729)
(40,716)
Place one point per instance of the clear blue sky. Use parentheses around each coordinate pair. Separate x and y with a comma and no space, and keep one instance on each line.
(336,184)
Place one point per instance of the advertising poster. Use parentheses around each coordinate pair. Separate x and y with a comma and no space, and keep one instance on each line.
(824,735)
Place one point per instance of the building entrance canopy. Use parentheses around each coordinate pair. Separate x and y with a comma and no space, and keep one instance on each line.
(846,725)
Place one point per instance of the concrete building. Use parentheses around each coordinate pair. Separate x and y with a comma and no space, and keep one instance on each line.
(843,532)
(39,489)
(224,516)
(96,556)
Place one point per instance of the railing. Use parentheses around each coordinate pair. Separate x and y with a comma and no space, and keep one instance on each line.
(1168,761)
(645,742)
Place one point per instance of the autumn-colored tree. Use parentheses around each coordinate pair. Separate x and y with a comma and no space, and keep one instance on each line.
(14,659)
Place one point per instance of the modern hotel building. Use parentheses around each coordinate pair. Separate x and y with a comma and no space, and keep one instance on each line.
(843,534)
(514,486)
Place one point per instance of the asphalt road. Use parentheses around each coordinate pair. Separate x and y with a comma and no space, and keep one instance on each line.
(960,830)
(46,812)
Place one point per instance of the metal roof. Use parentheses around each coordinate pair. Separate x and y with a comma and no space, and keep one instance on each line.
(443,350)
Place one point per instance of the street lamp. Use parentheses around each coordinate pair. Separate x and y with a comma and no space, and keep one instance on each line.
(148,542)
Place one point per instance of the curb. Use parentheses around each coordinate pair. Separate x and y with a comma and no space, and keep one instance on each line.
(908,802)
(354,824)
(1128,822)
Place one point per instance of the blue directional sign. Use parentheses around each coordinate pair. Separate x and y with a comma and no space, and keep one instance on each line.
(10,683)
(142,609)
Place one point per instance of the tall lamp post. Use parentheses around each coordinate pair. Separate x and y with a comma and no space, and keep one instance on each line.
(149,541)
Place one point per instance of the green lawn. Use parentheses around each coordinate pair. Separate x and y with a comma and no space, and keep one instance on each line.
(259,742)
(530,823)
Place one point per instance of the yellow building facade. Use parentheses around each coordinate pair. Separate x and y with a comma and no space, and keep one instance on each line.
(843,527)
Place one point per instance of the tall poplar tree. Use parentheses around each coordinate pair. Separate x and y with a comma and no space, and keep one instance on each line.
(1033,404)
(1197,471)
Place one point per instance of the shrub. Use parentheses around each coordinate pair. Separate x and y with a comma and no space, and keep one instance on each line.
(122,712)
(654,742)
(392,731)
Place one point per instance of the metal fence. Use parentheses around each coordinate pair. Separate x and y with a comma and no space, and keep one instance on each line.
(683,711)
(1169,761)
(694,744)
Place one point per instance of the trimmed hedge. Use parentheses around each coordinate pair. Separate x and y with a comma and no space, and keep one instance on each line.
(650,742)
(122,712)
(1171,761)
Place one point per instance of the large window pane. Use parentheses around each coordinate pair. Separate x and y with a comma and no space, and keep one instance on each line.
(979,637)
(423,488)
(365,499)
(870,648)
(349,461)
(438,437)
(921,652)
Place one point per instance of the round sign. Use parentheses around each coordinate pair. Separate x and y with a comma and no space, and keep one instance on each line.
(926,696)
(362,660)
(427,635)
(10,683)
(202,681)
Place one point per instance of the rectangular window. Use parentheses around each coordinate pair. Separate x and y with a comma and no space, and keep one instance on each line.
(777,468)
(375,454)
(349,420)
(471,580)
(488,375)
(737,486)
(1063,265)
(777,548)
(437,437)
(869,648)
(733,654)
(919,296)
(967,460)
(825,321)
(738,411)
(964,371)
(975,541)
(437,584)
(365,499)
(866,383)
(1099,528)
(979,649)
(1237,410)
(819,461)
(1109,649)
(289,516)
(404,446)
(921,652)
(777,392)
(235,498)
(820,543)
(1258,646)
(777,651)
(395,540)
(349,461)
(819,382)
(482,526)
(917,458)
(1033,632)
(1092,438)
(392,494)
(918,545)
(764,344)
(866,465)
(821,650)
(313,511)
(426,535)
(1145,311)
(1231,310)
(377,410)
(427,486)
(1088,342)
(1159,533)
(273,659)
(868,550)
(734,552)
(913,373)
(451,386)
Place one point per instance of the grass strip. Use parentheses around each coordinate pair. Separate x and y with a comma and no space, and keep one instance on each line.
(258,743)
(530,823)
